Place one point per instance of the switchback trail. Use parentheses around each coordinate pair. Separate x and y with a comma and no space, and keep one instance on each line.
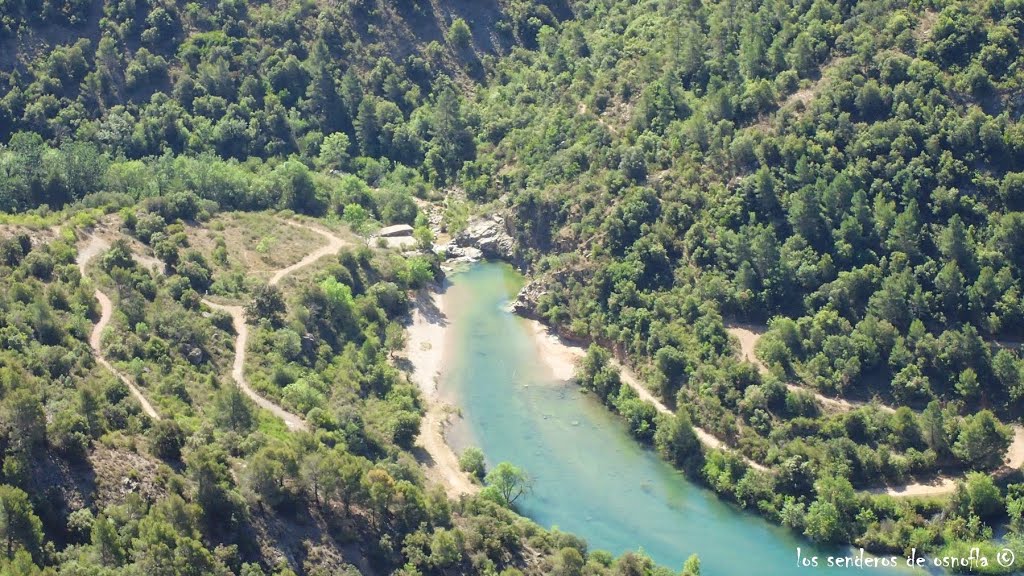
(938,485)
(94,246)
(237,313)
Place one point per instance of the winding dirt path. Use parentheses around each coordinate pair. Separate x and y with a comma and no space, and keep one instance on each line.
(292,421)
(424,349)
(93,247)
(939,485)
(1015,454)
(749,334)
(706,438)
(334,244)
(237,313)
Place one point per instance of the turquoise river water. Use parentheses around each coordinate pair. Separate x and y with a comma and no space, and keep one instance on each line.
(590,477)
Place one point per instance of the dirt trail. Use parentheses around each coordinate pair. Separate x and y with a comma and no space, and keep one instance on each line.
(292,421)
(334,244)
(1015,453)
(90,250)
(938,486)
(749,334)
(561,357)
(106,311)
(945,484)
(97,244)
(425,352)
(238,367)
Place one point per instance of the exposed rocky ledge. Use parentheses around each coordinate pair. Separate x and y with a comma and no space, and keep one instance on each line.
(489,237)
(457,254)
(525,303)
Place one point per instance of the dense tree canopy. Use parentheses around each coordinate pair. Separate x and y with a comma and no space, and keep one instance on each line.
(850,174)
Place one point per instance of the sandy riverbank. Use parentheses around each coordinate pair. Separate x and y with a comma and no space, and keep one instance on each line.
(561,357)
(425,343)
(558,355)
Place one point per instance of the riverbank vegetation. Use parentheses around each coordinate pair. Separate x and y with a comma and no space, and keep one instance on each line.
(849,174)
(217,486)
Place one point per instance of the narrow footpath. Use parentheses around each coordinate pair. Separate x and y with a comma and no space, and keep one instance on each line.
(237,313)
(292,421)
(87,252)
(95,245)
(748,336)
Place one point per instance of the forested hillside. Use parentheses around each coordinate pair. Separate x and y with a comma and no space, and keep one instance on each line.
(242,81)
(849,171)
(847,177)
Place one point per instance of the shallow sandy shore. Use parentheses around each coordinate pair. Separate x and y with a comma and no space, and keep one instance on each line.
(424,349)
(558,355)
(561,357)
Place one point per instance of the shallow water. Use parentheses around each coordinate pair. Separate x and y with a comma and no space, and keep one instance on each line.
(590,477)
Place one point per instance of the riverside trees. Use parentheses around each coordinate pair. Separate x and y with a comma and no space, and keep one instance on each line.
(508,483)
(851,174)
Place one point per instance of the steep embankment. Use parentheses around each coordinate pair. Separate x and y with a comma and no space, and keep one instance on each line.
(92,247)
(748,336)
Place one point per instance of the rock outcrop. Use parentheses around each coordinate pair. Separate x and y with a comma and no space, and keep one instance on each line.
(488,236)
(395,231)
(525,303)
(458,254)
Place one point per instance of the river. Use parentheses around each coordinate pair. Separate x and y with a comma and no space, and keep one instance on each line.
(590,477)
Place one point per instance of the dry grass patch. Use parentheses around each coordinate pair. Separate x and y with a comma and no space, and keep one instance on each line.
(39,235)
(308,274)
(120,472)
(252,244)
